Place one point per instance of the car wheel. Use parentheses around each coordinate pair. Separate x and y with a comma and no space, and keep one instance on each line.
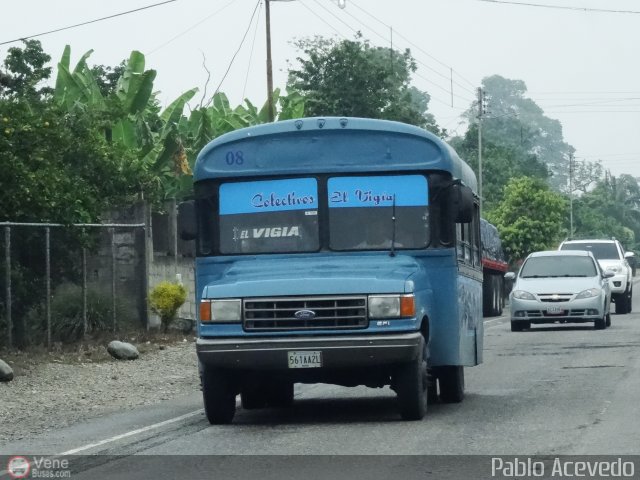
(451,380)
(608,320)
(410,381)
(601,323)
(623,302)
(219,396)
(519,326)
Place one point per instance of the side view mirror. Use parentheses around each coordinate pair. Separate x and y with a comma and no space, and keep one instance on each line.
(187,220)
(461,202)
(629,254)
(510,276)
(608,273)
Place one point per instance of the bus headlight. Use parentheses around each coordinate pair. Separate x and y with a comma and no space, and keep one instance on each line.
(392,306)
(222,311)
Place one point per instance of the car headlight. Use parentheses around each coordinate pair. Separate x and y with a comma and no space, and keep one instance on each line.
(592,292)
(392,306)
(522,295)
(222,311)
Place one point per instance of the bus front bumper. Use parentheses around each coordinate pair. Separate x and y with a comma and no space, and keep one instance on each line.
(336,352)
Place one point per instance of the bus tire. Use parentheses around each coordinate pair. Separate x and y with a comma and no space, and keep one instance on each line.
(451,380)
(487,295)
(218,395)
(410,382)
(280,395)
(252,399)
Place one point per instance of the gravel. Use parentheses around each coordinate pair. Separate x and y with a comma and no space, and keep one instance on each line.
(53,391)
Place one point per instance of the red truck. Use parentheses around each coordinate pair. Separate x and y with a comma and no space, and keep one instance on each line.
(494,266)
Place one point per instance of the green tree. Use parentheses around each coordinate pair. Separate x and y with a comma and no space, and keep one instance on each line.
(353,78)
(24,70)
(517,122)
(500,163)
(611,208)
(529,218)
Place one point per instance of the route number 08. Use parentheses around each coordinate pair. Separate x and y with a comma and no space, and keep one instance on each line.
(234,158)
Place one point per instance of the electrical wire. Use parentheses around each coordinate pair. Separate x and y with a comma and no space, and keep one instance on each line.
(446,77)
(191,28)
(415,73)
(237,51)
(417,47)
(322,20)
(255,34)
(88,22)
(560,7)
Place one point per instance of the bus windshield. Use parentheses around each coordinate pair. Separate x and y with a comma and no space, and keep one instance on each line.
(281,216)
(362,212)
(272,216)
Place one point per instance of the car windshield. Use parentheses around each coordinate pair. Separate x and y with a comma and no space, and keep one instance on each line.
(602,251)
(558,266)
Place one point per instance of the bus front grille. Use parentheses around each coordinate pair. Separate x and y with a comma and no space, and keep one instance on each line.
(305,313)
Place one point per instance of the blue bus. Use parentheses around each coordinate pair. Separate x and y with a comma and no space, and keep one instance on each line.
(334,250)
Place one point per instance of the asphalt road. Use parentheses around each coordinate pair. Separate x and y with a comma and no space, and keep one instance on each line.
(553,390)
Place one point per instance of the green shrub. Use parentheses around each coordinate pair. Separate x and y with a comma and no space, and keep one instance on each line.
(165,299)
(67,324)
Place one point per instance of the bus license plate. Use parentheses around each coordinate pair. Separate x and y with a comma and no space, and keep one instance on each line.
(305,359)
(554,311)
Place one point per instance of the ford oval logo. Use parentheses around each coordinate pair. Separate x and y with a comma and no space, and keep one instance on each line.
(305,314)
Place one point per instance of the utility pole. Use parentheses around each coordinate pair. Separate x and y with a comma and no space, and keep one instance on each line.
(480,114)
(570,195)
(270,114)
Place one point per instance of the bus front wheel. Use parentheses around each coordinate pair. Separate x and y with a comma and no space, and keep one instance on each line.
(410,382)
(218,395)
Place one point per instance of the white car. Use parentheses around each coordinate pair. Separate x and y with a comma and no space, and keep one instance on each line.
(566,287)
(611,256)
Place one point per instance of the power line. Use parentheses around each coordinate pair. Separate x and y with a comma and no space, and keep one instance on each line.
(322,20)
(88,22)
(559,7)
(190,28)
(255,34)
(416,74)
(446,77)
(239,47)
(417,47)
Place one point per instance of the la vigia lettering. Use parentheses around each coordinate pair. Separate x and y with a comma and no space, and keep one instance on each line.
(271,232)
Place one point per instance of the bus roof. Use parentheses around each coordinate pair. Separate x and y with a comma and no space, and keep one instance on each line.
(328,145)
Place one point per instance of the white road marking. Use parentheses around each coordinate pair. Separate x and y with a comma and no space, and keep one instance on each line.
(131,433)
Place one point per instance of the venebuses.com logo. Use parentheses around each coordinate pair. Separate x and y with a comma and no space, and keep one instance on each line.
(18,467)
(38,467)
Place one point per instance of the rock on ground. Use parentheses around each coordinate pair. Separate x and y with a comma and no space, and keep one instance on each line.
(51,395)
(122,350)
(6,372)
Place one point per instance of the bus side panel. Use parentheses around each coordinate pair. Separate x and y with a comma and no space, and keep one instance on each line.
(444,346)
(470,319)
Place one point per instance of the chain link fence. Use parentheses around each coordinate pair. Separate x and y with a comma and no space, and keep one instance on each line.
(63,282)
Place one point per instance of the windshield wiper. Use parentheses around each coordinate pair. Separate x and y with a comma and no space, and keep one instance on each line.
(535,276)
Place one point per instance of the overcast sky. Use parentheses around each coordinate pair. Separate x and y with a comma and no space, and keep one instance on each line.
(581,66)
